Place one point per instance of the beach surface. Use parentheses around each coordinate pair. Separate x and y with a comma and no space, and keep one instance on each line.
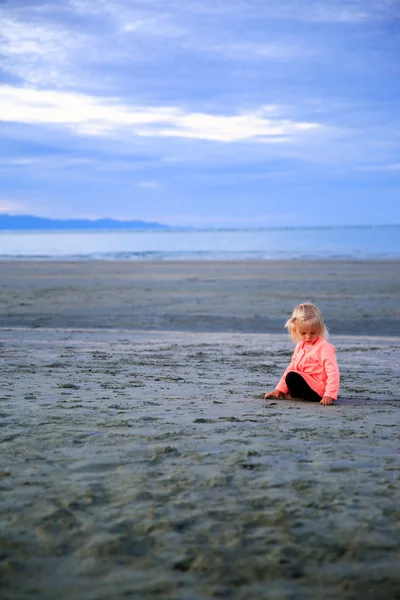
(356,297)
(146,463)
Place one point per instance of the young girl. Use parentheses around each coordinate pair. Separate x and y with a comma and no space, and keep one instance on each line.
(313,372)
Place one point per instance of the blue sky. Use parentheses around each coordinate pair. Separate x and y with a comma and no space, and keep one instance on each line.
(201,112)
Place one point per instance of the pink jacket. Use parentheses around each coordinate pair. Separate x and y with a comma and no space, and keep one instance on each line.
(317,364)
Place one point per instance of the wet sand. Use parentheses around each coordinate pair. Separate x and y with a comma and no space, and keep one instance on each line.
(146,464)
(356,297)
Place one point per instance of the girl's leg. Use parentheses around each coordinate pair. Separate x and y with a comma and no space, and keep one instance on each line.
(299,388)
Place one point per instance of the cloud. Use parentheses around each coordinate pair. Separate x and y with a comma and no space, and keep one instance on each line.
(45,161)
(38,51)
(148,184)
(10,207)
(391,168)
(350,11)
(88,115)
(146,18)
(66,45)
(274,50)
(18,162)
(337,11)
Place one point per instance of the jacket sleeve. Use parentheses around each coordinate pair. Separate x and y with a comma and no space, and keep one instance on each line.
(282,387)
(332,372)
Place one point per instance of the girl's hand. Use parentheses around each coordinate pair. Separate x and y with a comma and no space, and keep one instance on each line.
(273,394)
(327,400)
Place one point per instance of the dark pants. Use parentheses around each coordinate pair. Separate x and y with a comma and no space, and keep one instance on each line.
(299,388)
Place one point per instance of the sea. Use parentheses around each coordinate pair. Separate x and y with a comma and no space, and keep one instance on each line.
(286,243)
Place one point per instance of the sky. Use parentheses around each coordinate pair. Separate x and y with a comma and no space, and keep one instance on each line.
(201,113)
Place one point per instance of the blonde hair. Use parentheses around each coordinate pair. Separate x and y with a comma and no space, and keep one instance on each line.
(306,314)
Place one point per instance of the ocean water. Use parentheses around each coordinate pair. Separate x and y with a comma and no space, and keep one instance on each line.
(375,242)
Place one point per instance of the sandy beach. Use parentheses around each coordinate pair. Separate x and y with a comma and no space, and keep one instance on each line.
(356,297)
(140,460)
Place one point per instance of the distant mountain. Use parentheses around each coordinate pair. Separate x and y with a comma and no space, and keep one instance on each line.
(25,222)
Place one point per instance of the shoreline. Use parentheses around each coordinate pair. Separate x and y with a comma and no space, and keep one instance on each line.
(194,261)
